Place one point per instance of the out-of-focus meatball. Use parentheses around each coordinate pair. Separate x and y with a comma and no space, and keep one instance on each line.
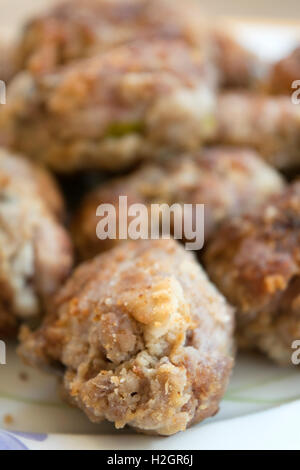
(271,125)
(228,181)
(144,337)
(82,28)
(8,66)
(76,29)
(284,73)
(139,101)
(255,261)
(35,250)
(237,67)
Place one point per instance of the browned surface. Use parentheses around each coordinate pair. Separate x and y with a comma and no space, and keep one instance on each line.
(255,261)
(227,180)
(143,336)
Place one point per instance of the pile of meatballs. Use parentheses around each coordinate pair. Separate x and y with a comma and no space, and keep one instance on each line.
(146,99)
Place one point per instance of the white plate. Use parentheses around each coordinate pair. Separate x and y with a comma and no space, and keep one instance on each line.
(260,409)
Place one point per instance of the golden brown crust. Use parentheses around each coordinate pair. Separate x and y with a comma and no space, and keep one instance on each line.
(138,101)
(255,261)
(143,337)
(228,181)
(35,250)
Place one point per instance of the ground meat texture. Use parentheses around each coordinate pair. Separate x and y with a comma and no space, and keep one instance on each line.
(284,73)
(139,101)
(228,181)
(82,28)
(35,250)
(254,260)
(143,337)
(271,125)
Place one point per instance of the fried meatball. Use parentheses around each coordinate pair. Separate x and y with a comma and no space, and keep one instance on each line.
(35,250)
(284,73)
(255,261)
(271,125)
(82,28)
(144,338)
(227,180)
(141,100)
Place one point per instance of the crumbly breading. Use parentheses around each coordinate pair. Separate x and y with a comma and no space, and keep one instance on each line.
(269,124)
(283,73)
(35,250)
(228,181)
(142,100)
(255,261)
(143,337)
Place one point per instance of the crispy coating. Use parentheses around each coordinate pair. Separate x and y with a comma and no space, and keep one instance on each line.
(255,261)
(141,100)
(144,338)
(35,250)
(284,73)
(82,28)
(271,125)
(228,181)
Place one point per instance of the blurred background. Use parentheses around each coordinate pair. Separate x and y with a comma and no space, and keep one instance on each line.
(13,12)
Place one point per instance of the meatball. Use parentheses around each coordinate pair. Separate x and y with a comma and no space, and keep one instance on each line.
(271,125)
(141,100)
(35,250)
(255,261)
(143,337)
(82,28)
(284,73)
(227,180)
